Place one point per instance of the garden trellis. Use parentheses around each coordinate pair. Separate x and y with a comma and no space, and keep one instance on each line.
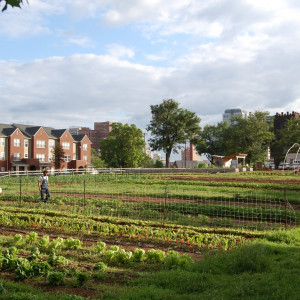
(155,197)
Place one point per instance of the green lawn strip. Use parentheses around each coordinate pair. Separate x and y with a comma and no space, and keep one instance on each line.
(261,270)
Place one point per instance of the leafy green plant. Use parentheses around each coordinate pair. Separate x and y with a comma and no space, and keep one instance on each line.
(56,244)
(172,259)
(156,256)
(56,278)
(18,239)
(73,244)
(100,266)
(34,255)
(101,246)
(41,268)
(138,255)
(23,268)
(55,260)
(32,237)
(44,242)
(82,278)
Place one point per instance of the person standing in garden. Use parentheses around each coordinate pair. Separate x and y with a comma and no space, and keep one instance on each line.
(44,186)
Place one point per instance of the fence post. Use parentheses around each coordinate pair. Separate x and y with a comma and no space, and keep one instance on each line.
(285,207)
(20,191)
(165,201)
(84,193)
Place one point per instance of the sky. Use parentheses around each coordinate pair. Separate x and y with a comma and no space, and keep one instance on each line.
(75,62)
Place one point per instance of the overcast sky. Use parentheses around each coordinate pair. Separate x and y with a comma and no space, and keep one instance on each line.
(73,62)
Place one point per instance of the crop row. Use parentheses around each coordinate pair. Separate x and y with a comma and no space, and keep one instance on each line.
(83,225)
(157,210)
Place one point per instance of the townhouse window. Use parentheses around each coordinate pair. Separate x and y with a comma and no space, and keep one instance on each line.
(26,143)
(85,158)
(85,147)
(40,144)
(17,156)
(2,169)
(67,158)
(51,144)
(2,142)
(2,156)
(74,156)
(66,145)
(17,142)
(40,157)
(51,157)
(26,155)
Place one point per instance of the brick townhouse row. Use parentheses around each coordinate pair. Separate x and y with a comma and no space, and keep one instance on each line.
(27,147)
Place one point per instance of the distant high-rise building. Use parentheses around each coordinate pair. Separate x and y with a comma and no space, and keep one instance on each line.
(229,113)
(100,131)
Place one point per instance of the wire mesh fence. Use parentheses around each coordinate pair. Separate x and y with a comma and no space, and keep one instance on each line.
(144,197)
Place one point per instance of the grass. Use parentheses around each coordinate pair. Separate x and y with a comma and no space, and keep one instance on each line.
(261,270)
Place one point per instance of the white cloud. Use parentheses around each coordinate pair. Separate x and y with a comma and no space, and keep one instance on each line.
(83,42)
(219,54)
(119,51)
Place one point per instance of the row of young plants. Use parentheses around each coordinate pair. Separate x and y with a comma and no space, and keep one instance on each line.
(40,258)
(175,236)
(154,210)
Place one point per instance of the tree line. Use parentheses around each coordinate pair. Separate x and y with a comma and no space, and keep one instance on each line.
(171,126)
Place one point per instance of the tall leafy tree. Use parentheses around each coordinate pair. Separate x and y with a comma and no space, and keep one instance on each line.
(123,147)
(212,140)
(251,136)
(171,126)
(97,161)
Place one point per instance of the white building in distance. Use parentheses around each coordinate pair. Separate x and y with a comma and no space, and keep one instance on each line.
(229,113)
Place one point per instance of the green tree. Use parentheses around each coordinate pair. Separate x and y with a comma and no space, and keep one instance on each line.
(212,140)
(12,3)
(251,136)
(123,147)
(146,161)
(97,161)
(286,137)
(58,155)
(158,164)
(171,126)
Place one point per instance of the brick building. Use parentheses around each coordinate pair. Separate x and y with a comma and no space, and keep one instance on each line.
(100,131)
(26,147)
